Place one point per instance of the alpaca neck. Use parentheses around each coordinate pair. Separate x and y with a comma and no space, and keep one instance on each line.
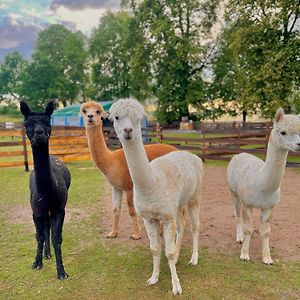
(42,171)
(274,166)
(98,149)
(138,163)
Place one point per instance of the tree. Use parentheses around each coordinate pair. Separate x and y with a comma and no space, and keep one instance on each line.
(57,70)
(111,53)
(259,60)
(10,71)
(171,33)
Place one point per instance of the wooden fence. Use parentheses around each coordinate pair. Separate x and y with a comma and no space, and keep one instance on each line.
(216,141)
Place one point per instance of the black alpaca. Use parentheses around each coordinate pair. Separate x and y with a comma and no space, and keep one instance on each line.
(49,183)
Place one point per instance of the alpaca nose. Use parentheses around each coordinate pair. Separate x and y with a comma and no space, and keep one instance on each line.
(90,116)
(127,129)
(39,131)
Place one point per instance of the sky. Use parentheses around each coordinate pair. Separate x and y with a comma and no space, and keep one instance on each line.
(22,20)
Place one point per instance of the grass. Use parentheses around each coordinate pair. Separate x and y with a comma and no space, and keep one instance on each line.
(100,269)
(10,118)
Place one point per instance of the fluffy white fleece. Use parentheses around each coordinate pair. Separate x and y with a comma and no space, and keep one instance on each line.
(127,107)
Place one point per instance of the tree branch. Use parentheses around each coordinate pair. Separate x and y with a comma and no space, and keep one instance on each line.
(296,17)
(200,68)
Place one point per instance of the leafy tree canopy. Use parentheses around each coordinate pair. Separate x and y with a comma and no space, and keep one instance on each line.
(10,71)
(258,64)
(111,54)
(173,50)
(57,67)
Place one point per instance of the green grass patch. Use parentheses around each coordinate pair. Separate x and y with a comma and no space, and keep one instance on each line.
(10,118)
(100,269)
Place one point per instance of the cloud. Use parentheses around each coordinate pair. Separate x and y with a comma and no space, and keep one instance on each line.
(85,4)
(83,20)
(17,36)
(30,12)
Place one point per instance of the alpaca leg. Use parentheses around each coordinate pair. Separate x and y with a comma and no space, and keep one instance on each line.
(152,229)
(238,218)
(39,227)
(265,233)
(194,208)
(248,230)
(117,200)
(57,221)
(179,234)
(132,213)
(47,252)
(170,248)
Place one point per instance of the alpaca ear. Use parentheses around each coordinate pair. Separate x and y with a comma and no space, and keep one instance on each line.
(49,108)
(279,115)
(24,108)
(104,114)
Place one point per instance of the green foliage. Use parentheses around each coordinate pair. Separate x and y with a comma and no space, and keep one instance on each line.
(57,67)
(172,53)
(10,110)
(258,63)
(10,71)
(111,52)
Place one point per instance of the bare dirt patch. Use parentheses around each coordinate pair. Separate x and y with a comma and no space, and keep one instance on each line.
(22,214)
(217,231)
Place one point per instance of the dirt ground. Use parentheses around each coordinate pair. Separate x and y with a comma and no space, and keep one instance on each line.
(217,227)
(217,230)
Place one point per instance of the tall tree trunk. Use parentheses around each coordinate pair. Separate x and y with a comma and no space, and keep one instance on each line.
(244,116)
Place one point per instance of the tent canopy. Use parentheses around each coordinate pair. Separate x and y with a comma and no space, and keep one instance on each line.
(74,109)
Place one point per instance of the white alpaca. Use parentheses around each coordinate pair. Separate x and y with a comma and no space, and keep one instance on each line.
(162,189)
(256,184)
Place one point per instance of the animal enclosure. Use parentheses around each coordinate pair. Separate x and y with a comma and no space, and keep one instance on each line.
(214,141)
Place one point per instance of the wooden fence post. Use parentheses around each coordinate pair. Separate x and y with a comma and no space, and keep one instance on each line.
(268,130)
(158,133)
(25,149)
(238,137)
(203,137)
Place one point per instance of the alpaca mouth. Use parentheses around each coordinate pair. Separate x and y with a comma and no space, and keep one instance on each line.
(127,136)
(296,149)
(39,140)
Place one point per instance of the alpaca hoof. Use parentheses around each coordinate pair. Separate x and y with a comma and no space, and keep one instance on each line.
(135,236)
(245,257)
(111,234)
(268,261)
(37,265)
(62,275)
(193,261)
(153,280)
(47,255)
(239,240)
(177,290)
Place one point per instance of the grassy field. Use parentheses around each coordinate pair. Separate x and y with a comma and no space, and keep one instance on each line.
(100,269)
(9,118)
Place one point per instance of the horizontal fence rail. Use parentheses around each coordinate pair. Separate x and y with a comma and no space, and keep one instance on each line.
(214,141)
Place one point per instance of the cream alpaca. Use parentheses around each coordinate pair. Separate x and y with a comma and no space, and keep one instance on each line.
(162,189)
(255,183)
(113,164)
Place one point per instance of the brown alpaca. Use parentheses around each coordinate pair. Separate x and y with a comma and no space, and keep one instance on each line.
(113,164)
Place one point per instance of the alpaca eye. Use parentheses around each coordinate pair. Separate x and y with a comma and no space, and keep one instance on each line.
(117,118)
(98,112)
(84,111)
(283,133)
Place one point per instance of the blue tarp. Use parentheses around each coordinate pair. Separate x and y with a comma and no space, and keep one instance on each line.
(70,115)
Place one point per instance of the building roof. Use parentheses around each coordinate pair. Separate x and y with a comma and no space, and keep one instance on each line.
(73,110)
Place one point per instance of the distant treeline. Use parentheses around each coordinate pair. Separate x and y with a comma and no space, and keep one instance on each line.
(236,58)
